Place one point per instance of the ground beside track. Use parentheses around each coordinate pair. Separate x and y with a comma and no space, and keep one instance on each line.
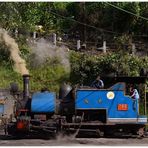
(71,141)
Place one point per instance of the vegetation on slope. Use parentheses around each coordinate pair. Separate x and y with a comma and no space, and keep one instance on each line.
(84,68)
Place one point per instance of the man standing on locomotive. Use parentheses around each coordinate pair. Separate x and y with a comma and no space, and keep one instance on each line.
(135,96)
(98,83)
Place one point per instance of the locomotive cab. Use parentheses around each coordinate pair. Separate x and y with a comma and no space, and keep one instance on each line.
(110,110)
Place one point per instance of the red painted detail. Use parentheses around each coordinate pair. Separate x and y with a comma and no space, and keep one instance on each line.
(122,107)
(20,125)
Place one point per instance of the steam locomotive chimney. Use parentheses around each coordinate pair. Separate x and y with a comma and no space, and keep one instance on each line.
(26,86)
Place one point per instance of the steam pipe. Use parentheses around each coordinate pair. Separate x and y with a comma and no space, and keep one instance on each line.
(26,86)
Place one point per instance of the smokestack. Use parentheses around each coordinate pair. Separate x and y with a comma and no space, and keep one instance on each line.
(26,86)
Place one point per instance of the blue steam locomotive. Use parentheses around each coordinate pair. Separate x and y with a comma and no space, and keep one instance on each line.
(82,109)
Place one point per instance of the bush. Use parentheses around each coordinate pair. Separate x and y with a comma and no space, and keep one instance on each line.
(48,76)
(84,68)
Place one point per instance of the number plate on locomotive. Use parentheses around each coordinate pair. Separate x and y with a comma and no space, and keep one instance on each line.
(123,107)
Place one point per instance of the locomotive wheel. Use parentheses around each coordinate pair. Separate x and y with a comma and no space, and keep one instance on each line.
(141,132)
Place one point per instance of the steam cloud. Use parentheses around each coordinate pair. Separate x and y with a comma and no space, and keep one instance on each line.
(43,50)
(19,63)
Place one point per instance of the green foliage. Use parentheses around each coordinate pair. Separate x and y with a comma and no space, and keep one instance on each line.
(126,22)
(44,76)
(7,76)
(84,68)
(5,56)
(48,76)
(26,15)
(18,15)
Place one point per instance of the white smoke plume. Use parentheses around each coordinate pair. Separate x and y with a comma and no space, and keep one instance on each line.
(43,49)
(19,63)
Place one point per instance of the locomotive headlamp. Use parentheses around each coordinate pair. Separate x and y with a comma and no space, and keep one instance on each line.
(110,95)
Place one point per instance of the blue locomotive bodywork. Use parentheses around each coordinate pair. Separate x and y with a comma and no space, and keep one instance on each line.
(118,106)
(43,102)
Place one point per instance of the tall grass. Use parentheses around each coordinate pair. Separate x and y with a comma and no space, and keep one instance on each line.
(48,76)
(45,76)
